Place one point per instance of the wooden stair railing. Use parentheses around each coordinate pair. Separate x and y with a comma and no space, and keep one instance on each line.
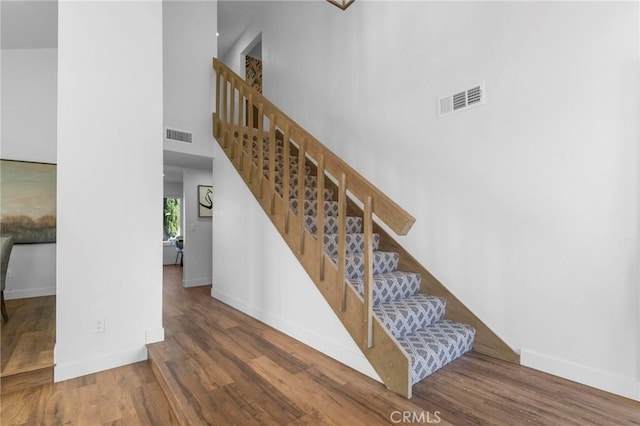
(342,4)
(355,194)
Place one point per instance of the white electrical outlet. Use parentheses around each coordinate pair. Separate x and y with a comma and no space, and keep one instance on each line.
(9,273)
(98,325)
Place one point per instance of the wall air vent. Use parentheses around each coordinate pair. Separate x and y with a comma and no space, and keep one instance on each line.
(461,100)
(179,135)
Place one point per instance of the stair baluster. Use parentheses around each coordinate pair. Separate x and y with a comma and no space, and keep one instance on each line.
(368,270)
(224,110)
(286,179)
(260,147)
(241,129)
(272,162)
(342,239)
(232,107)
(216,124)
(302,155)
(320,214)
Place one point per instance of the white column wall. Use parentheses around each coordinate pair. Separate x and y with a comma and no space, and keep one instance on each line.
(109,184)
(197,231)
(29,122)
(527,207)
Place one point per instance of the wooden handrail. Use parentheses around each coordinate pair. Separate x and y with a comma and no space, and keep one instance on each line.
(342,4)
(285,139)
(237,131)
(394,216)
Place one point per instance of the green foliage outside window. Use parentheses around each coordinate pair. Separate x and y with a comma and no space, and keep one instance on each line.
(171,217)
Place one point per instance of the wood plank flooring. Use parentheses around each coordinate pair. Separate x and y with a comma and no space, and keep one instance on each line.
(128,395)
(29,335)
(26,343)
(222,367)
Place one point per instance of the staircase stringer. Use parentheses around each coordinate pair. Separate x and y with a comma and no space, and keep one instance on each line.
(386,356)
(236,138)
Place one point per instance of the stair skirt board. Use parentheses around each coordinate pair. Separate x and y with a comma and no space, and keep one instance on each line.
(414,321)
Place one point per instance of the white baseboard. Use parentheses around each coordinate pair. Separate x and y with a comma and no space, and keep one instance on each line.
(613,383)
(347,356)
(155,335)
(93,365)
(196,282)
(31,292)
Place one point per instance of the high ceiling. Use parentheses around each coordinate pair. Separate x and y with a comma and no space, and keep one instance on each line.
(27,24)
(230,12)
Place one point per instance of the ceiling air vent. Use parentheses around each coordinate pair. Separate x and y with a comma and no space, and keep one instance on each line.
(179,135)
(461,100)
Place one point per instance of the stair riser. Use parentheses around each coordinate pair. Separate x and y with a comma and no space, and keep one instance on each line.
(311,207)
(353,224)
(434,347)
(355,243)
(309,181)
(383,262)
(279,166)
(404,316)
(310,193)
(390,287)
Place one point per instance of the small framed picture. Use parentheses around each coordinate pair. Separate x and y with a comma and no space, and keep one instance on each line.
(205,201)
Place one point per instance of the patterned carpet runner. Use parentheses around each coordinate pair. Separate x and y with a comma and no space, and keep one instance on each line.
(415,320)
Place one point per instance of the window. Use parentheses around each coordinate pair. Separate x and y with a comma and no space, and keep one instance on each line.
(171,221)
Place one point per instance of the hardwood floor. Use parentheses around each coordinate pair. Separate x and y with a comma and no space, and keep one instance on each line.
(220,366)
(26,348)
(125,395)
(128,395)
(29,335)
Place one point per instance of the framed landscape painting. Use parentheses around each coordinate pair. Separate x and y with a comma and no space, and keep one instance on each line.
(28,201)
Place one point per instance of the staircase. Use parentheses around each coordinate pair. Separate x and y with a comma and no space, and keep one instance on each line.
(393,308)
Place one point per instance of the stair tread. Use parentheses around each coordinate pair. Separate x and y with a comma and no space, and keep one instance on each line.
(390,286)
(403,316)
(433,347)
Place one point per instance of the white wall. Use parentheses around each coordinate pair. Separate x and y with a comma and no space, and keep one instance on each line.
(255,272)
(197,231)
(29,115)
(172,189)
(189,35)
(527,207)
(109,184)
